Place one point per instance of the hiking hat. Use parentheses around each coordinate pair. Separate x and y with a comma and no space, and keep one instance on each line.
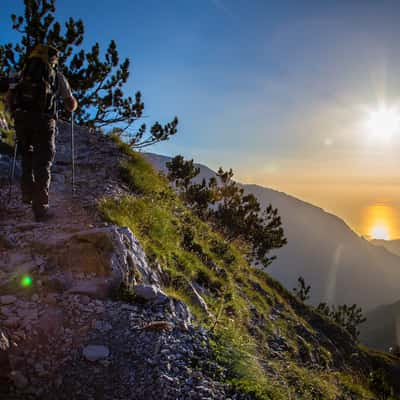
(52,51)
(44,52)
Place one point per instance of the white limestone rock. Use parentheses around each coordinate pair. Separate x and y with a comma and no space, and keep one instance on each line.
(150,293)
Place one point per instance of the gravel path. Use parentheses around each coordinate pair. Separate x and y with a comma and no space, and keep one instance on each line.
(58,342)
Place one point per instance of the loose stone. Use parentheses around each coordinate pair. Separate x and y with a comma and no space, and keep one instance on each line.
(95,352)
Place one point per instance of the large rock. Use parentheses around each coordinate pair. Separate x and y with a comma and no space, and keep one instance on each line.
(83,252)
(96,261)
(130,258)
(150,293)
(93,262)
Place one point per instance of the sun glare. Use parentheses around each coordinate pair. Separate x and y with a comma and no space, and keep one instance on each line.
(383,121)
(378,221)
(380,232)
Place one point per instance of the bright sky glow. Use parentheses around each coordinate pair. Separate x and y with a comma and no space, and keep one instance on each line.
(383,121)
(274,90)
(380,232)
(379,221)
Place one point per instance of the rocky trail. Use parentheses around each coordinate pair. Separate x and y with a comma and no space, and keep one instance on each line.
(62,336)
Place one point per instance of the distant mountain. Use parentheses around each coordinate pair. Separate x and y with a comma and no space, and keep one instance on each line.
(391,245)
(340,266)
(382,328)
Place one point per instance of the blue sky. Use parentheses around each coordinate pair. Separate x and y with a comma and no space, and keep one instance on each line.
(275,90)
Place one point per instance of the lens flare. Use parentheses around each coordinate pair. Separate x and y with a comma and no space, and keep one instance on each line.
(26,281)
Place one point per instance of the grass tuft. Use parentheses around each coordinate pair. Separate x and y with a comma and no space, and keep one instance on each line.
(236,351)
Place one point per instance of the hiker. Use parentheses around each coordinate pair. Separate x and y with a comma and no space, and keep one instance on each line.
(33,102)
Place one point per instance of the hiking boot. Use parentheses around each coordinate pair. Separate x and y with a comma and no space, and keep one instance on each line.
(44,216)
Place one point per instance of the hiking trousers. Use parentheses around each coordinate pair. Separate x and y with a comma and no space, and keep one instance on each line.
(36,143)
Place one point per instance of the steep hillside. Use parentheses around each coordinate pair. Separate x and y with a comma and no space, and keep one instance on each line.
(340,266)
(382,328)
(128,295)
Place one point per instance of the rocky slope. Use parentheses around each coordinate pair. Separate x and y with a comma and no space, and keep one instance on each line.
(62,335)
(69,331)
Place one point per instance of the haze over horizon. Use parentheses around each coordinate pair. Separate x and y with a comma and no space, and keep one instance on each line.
(302,98)
(368,214)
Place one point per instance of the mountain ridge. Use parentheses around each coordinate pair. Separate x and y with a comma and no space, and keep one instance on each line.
(382,327)
(393,246)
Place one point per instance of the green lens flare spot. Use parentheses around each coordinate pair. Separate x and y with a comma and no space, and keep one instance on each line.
(26,281)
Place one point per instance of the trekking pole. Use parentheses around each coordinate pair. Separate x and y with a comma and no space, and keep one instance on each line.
(12,169)
(73,153)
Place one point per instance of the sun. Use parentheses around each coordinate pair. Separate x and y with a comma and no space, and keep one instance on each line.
(380,232)
(383,121)
(378,221)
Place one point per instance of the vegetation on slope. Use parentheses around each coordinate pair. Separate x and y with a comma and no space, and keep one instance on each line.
(348,317)
(223,204)
(267,343)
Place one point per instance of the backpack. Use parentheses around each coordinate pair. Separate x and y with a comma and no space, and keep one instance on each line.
(36,90)
(4,85)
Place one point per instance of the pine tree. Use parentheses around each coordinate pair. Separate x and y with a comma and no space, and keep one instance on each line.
(348,317)
(96,81)
(240,217)
(236,215)
(181,172)
(302,291)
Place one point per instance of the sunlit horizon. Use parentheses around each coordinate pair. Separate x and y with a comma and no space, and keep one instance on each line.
(370,210)
(380,232)
(312,109)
